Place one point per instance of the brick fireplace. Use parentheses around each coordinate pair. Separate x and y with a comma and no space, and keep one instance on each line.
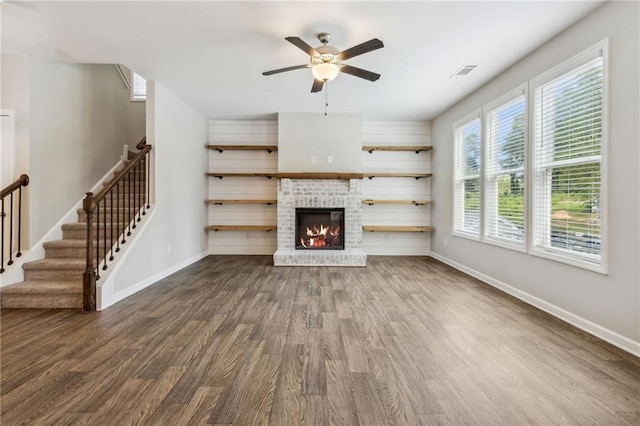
(316,194)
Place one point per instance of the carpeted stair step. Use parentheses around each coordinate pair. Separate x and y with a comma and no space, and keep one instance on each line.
(120,201)
(54,270)
(42,294)
(122,213)
(71,249)
(78,230)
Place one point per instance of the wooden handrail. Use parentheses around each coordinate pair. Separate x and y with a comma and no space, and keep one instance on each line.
(142,143)
(125,196)
(132,164)
(23,180)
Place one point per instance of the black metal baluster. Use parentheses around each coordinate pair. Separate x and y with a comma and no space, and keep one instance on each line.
(111,208)
(144,185)
(104,228)
(138,187)
(124,209)
(129,203)
(10,262)
(97,240)
(135,184)
(19,253)
(119,214)
(2,235)
(146,178)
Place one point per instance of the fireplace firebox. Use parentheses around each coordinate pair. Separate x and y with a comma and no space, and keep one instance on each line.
(319,229)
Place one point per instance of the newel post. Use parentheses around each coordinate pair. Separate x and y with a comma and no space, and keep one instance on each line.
(89,277)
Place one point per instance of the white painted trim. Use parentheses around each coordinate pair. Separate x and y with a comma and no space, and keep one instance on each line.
(622,342)
(15,273)
(116,297)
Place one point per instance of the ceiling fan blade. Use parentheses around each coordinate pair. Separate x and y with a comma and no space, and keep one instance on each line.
(295,67)
(317,86)
(359,72)
(302,45)
(362,48)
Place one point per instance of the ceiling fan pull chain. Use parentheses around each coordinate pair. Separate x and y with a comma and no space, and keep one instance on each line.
(326,96)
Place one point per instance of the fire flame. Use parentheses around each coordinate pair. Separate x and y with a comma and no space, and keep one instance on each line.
(319,236)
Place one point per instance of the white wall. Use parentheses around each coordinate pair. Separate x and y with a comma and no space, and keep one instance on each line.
(242,132)
(174,236)
(302,136)
(396,133)
(606,305)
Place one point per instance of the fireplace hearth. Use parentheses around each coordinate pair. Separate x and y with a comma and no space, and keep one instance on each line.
(319,229)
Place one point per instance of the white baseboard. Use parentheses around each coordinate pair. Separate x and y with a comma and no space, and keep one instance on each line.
(123,294)
(15,274)
(105,296)
(603,333)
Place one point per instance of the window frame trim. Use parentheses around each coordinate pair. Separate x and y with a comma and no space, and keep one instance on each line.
(520,90)
(475,114)
(132,94)
(600,49)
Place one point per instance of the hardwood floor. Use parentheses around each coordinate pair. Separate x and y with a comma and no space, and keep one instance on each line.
(233,340)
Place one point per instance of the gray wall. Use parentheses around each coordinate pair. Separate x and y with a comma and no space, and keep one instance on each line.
(71,123)
(175,235)
(607,305)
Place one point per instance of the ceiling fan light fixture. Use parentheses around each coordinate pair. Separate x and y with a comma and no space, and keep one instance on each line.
(325,71)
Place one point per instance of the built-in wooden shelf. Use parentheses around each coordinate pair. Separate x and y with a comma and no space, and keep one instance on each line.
(413,175)
(221,202)
(320,175)
(369,228)
(221,148)
(217,228)
(221,175)
(414,202)
(416,148)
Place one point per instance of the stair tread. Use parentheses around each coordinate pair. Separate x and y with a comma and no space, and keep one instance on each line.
(39,287)
(55,264)
(66,243)
(83,225)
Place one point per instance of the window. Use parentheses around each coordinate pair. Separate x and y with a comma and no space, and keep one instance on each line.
(467,178)
(541,187)
(568,144)
(504,185)
(138,87)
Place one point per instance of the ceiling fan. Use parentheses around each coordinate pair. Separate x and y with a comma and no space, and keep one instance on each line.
(326,61)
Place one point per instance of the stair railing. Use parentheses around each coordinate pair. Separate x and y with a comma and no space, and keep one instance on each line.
(126,199)
(14,222)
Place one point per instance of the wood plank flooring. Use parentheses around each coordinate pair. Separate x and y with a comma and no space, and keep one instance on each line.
(233,340)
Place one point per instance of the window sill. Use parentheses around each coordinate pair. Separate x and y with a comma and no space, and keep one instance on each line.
(600,268)
(466,235)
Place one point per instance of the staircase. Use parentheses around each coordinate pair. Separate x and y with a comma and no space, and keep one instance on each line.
(57,280)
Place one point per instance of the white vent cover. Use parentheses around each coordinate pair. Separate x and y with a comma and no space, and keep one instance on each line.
(463,70)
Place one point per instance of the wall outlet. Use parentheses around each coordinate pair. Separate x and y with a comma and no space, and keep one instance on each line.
(169,249)
(330,159)
(313,159)
(446,242)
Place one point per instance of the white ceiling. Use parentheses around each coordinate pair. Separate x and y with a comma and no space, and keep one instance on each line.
(212,54)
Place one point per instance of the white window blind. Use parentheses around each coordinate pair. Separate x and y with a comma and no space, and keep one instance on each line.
(568,130)
(138,88)
(467,179)
(505,172)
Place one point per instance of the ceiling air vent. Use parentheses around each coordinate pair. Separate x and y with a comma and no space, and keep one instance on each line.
(463,70)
